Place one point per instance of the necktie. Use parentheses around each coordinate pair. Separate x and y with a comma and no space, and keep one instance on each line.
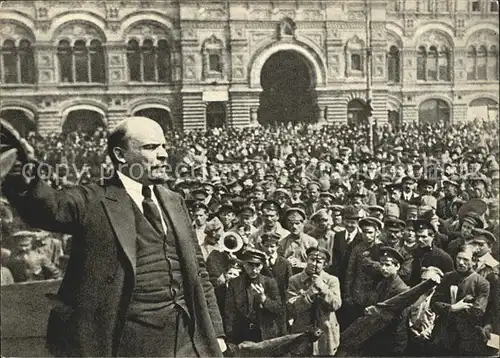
(151,211)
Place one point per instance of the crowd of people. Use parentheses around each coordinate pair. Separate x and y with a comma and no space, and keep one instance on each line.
(315,226)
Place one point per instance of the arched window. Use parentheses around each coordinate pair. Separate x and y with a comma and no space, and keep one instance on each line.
(27,62)
(432,64)
(471,63)
(443,62)
(97,66)
(493,63)
(147,62)
(482,61)
(421,63)
(134,61)
(81,61)
(9,57)
(393,64)
(164,71)
(64,54)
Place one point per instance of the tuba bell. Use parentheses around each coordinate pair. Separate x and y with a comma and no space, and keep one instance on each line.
(231,242)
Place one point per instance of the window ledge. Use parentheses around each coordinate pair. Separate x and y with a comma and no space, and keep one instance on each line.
(148,83)
(17,85)
(81,84)
(434,82)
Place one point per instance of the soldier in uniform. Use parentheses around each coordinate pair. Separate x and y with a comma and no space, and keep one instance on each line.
(363,272)
(392,340)
(270,223)
(253,303)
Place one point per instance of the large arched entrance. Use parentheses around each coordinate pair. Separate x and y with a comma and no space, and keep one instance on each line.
(483,108)
(356,114)
(83,121)
(434,111)
(289,94)
(159,115)
(22,121)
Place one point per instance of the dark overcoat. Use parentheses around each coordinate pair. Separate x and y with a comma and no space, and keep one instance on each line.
(96,291)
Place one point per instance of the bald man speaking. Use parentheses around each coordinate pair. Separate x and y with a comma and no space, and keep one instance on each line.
(136,284)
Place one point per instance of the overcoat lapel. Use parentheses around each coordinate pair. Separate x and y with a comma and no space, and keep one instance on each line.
(182,230)
(118,207)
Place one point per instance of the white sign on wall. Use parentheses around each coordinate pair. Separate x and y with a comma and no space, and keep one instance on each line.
(215,96)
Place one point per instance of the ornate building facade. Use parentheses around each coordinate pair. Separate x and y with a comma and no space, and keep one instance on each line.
(193,64)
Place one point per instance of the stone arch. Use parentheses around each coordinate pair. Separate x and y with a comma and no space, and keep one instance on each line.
(394,103)
(88,18)
(435,37)
(424,98)
(83,118)
(433,113)
(483,106)
(314,60)
(396,29)
(482,36)
(90,105)
(491,26)
(26,22)
(441,31)
(147,17)
(155,110)
(393,39)
(14,30)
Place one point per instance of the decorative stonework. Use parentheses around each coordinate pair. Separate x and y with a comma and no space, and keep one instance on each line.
(80,30)
(42,12)
(435,38)
(211,14)
(260,14)
(115,60)
(45,60)
(356,16)
(144,30)
(483,37)
(116,75)
(9,30)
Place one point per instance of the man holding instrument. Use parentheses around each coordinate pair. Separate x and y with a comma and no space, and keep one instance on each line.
(314,296)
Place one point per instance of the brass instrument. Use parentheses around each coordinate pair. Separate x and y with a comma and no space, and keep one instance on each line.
(231,242)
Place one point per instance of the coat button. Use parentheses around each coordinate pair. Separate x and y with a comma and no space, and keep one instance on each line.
(110,279)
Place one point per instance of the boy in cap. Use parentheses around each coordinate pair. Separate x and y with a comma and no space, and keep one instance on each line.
(200,217)
(392,339)
(460,301)
(293,247)
(314,296)
(253,304)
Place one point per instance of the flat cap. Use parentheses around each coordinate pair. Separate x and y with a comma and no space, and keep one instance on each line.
(391,254)
(351,212)
(253,255)
(318,251)
(394,224)
(481,233)
(270,205)
(295,213)
(421,224)
(370,221)
(320,214)
(270,238)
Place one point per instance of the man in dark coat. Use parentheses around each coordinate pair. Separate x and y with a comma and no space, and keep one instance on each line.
(253,304)
(392,340)
(427,254)
(276,267)
(460,302)
(136,283)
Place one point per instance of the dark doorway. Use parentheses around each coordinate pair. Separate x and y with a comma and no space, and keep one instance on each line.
(159,115)
(21,122)
(289,93)
(434,111)
(83,121)
(394,119)
(216,115)
(356,114)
